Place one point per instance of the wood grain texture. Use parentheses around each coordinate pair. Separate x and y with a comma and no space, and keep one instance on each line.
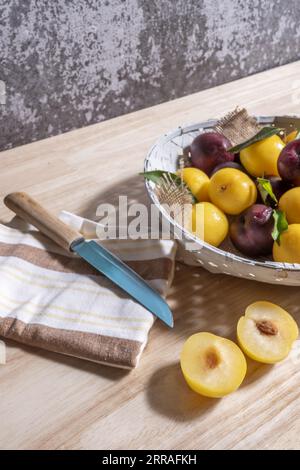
(51,401)
(26,207)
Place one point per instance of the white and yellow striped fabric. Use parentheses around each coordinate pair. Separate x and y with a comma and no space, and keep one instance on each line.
(56,301)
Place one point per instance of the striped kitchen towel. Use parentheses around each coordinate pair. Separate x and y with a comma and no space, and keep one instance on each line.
(53,300)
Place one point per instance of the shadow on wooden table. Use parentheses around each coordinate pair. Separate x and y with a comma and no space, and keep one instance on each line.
(202,301)
(109,373)
(255,372)
(133,188)
(168,394)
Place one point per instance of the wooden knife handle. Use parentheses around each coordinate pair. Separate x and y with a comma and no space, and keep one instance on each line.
(31,211)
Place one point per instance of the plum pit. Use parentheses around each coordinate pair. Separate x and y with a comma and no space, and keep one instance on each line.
(266,327)
(212,359)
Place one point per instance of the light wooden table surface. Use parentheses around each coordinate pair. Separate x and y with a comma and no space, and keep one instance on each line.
(50,401)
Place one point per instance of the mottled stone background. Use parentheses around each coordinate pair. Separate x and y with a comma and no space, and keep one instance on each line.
(67,63)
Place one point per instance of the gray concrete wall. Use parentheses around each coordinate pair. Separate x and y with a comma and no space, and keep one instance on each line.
(67,64)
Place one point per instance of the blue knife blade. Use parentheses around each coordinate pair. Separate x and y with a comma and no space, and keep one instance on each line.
(124,277)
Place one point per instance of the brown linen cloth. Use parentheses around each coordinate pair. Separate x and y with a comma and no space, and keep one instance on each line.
(54,300)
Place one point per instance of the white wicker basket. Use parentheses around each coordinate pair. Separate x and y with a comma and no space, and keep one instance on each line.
(163,156)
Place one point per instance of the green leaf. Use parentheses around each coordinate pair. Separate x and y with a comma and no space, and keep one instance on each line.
(264,133)
(280,225)
(265,189)
(156,175)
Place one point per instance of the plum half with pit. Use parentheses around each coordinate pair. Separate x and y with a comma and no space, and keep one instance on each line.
(209,150)
(251,231)
(288,163)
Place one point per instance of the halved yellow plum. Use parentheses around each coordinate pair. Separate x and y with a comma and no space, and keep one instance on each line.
(266,332)
(212,366)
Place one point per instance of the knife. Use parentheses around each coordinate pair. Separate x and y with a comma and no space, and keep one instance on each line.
(96,255)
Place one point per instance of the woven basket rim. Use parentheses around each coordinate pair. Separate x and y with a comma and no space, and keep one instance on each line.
(180,130)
